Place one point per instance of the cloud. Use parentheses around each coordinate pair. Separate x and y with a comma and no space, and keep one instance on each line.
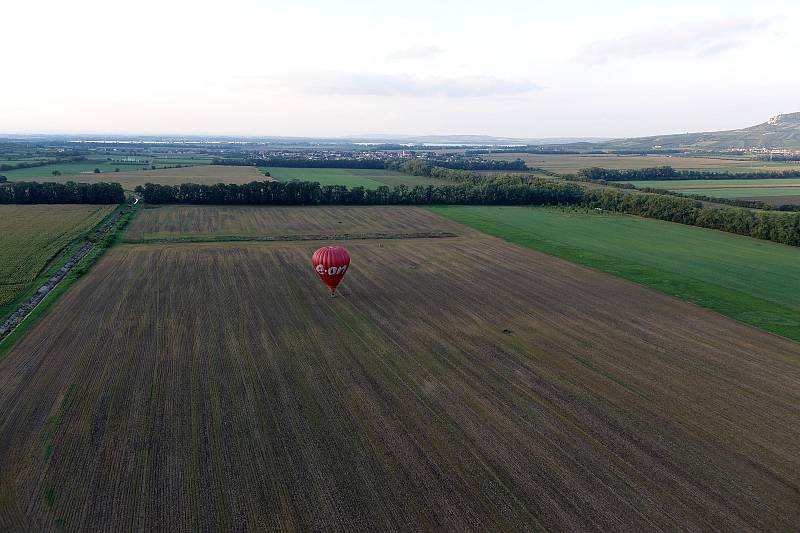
(372,84)
(414,53)
(704,39)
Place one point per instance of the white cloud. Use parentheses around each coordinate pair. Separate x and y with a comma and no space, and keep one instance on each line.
(703,39)
(329,82)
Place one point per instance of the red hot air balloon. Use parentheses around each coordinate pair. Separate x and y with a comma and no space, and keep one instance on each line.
(331,263)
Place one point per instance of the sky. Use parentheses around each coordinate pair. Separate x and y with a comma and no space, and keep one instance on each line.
(510,68)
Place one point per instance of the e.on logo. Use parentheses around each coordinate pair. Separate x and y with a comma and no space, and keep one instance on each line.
(332,271)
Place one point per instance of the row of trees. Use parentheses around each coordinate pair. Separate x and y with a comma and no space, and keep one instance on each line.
(778,227)
(21,192)
(302,162)
(517,165)
(421,167)
(736,202)
(392,164)
(312,193)
(600,175)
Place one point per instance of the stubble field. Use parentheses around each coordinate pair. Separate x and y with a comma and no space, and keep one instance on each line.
(176,223)
(460,383)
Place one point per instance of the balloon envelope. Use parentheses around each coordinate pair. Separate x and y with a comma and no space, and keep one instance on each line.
(331,263)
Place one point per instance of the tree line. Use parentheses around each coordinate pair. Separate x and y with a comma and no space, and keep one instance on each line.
(497,192)
(430,169)
(302,162)
(517,165)
(778,227)
(464,163)
(22,192)
(602,175)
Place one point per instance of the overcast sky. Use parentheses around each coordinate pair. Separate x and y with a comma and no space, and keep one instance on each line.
(520,68)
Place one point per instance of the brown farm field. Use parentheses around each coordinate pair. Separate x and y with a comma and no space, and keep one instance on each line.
(220,223)
(204,174)
(456,383)
(33,236)
(569,164)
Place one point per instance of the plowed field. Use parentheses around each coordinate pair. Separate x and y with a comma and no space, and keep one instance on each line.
(460,383)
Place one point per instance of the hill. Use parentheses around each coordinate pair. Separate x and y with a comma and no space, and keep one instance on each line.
(781,131)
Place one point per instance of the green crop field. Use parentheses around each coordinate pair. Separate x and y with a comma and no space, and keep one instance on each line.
(33,235)
(367,178)
(753,281)
(66,169)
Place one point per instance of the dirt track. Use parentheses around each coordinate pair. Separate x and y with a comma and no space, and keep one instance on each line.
(458,383)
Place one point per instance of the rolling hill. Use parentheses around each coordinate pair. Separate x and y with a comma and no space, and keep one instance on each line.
(781,131)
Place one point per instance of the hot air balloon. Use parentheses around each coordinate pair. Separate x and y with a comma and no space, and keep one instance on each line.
(331,263)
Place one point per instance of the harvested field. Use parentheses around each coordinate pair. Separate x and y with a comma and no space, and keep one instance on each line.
(459,384)
(182,223)
(31,236)
(747,279)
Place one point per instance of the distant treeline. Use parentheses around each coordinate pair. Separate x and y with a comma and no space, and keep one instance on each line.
(32,164)
(779,157)
(422,167)
(21,192)
(377,164)
(668,173)
(542,192)
(300,162)
(482,164)
(521,150)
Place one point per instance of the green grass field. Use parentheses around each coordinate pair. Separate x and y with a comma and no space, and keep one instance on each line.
(753,281)
(66,169)
(367,178)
